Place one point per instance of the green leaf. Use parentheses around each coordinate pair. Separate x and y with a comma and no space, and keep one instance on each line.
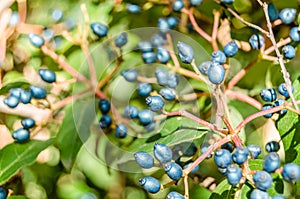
(245,191)
(15,156)
(256,164)
(242,6)
(222,191)
(8,86)
(17,197)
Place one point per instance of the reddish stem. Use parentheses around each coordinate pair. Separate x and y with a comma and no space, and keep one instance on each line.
(244,98)
(215,30)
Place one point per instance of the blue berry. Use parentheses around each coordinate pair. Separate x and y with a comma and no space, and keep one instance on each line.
(216,73)
(155,103)
(173,170)
(168,93)
(172,21)
(240,155)
(133,8)
(57,15)
(254,150)
(36,40)
(204,148)
(28,123)
(258,194)
(266,107)
(47,75)
(99,29)
(163,25)
(228,145)
(150,184)
(278,196)
(280,102)
(150,127)
(149,57)
(105,121)
(162,76)
(38,92)
(70,23)
(272,146)
(48,34)
(130,75)
(173,80)
(14,18)
(145,117)
(262,180)
(291,172)
(256,41)
(144,89)
(294,34)
(271,162)
(218,56)
(3,193)
(204,66)
(11,101)
(145,46)
(186,149)
(185,52)
(131,112)
(163,55)
(21,135)
(231,49)
(273,12)
(194,170)
(195,2)
(234,174)
(162,153)
(121,39)
(223,171)
(174,195)
(159,39)
(268,94)
(104,106)
(144,159)
(15,92)
(283,90)
(222,158)
(121,131)
(288,52)
(178,5)
(25,96)
(287,15)
(227,1)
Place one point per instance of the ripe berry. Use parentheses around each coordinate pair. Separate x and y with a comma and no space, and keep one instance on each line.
(283,90)
(186,149)
(228,145)
(131,112)
(149,57)
(279,102)
(21,135)
(162,76)
(271,162)
(254,150)
(121,131)
(15,92)
(291,172)
(99,29)
(204,66)
(57,15)
(132,8)
(105,121)
(150,127)
(144,89)
(231,49)
(130,75)
(178,5)
(266,107)
(14,18)
(121,39)
(104,106)
(145,117)
(185,52)
(223,171)
(216,73)
(227,1)
(268,94)
(278,196)
(288,52)
(240,155)
(28,123)
(204,148)
(162,153)
(173,80)
(173,170)
(150,184)
(195,2)
(294,34)
(258,194)
(3,193)
(36,40)
(262,180)
(222,158)
(25,97)
(163,25)
(234,174)
(48,34)
(38,92)
(47,75)
(11,101)
(287,15)
(144,159)
(273,12)
(155,103)
(218,56)
(174,195)
(272,146)
(168,93)
(145,46)
(163,55)
(256,41)
(172,21)
(194,170)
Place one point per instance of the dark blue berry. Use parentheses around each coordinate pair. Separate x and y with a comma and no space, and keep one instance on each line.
(162,76)
(28,123)
(163,25)
(195,2)
(150,127)
(163,55)
(262,180)
(234,174)
(287,15)
(268,94)
(231,49)
(266,107)
(271,162)
(185,52)
(104,106)
(294,34)
(133,8)
(228,145)
(15,92)
(186,148)
(47,75)
(150,184)
(155,103)
(145,46)
(121,131)
(204,148)
(130,75)
(57,15)
(159,39)
(173,170)
(278,196)
(254,150)
(227,1)
(272,146)
(288,52)
(3,193)
(168,93)
(256,41)
(178,5)
(25,97)
(283,90)
(204,66)
(144,159)
(38,92)
(218,56)
(131,112)
(99,29)
(258,194)
(173,80)
(144,89)
(162,153)
(105,121)
(149,57)
(216,73)
(36,40)
(194,170)
(174,195)
(222,158)
(11,101)
(273,12)
(172,21)
(21,135)
(240,155)
(121,39)
(145,117)
(291,172)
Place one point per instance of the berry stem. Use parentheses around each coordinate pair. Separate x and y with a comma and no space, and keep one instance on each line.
(185,72)
(281,43)
(110,75)
(22,10)
(170,49)
(5,4)
(186,186)
(215,29)
(244,98)
(193,64)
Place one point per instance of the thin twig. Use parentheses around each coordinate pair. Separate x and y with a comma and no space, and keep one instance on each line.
(244,98)
(186,187)
(215,29)
(281,43)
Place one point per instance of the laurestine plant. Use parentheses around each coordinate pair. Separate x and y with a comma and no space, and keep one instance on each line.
(94,106)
